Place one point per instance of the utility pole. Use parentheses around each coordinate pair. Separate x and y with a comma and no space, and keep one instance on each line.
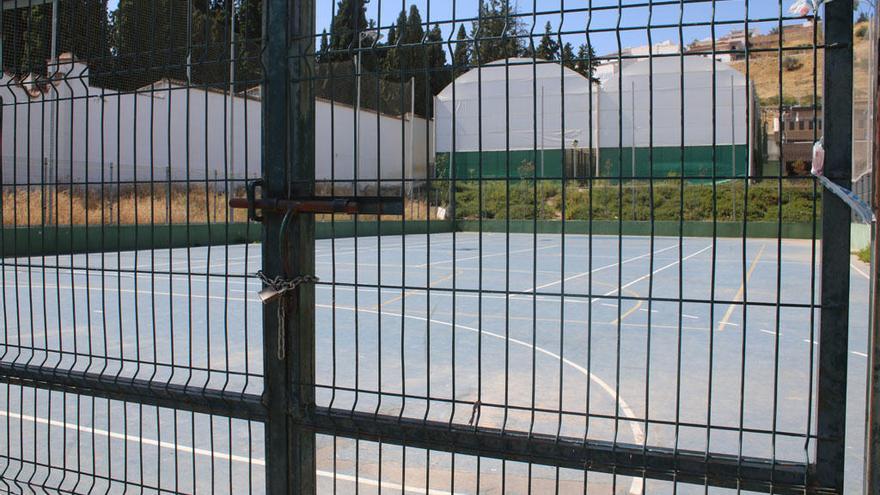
(632,96)
(733,148)
(52,169)
(231,90)
(372,35)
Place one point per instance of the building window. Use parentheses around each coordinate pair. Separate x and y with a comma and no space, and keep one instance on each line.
(820,124)
(800,125)
(790,125)
(810,125)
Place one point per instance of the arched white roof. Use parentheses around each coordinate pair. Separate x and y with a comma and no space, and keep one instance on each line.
(652,100)
(515,103)
(697,70)
(515,72)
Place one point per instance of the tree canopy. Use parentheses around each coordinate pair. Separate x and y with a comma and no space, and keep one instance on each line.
(141,42)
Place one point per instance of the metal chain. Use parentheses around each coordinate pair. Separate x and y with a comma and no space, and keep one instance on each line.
(283,286)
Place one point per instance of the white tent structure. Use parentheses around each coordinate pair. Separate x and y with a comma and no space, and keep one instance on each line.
(493,119)
(646,101)
(71,132)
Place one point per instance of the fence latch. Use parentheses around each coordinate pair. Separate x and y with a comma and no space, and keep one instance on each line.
(281,286)
(352,205)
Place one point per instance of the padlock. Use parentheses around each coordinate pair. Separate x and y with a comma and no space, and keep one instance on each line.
(268,294)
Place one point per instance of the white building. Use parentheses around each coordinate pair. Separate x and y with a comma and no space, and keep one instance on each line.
(508,114)
(502,119)
(169,130)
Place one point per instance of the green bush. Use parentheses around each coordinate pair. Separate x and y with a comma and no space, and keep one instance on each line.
(864,254)
(667,200)
(791,63)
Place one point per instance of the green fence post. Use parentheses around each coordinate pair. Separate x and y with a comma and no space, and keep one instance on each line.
(288,169)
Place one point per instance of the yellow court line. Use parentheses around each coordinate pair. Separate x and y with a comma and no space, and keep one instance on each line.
(742,288)
(407,293)
(651,274)
(630,310)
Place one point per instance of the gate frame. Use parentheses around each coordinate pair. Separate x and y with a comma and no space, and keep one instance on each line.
(287,405)
(288,151)
(828,470)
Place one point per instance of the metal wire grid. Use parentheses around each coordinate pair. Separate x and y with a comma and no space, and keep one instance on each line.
(113,319)
(429,375)
(372,391)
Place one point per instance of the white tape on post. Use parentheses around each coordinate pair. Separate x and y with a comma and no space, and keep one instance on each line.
(857,204)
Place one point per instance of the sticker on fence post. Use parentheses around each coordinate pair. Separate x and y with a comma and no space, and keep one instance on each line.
(857,204)
(804,7)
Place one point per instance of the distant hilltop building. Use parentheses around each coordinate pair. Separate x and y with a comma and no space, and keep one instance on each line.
(731,47)
(727,48)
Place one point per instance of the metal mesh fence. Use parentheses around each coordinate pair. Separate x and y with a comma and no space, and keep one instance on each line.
(504,247)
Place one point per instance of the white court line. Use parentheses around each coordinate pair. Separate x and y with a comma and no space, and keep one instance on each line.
(484,256)
(655,272)
(176,447)
(374,248)
(603,267)
(112,273)
(571,300)
(690,316)
(808,341)
(635,427)
(860,272)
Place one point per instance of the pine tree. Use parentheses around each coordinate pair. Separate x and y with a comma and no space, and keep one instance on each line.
(414,58)
(350,20)
(568,58)
(548,49)
(461,56)
(496,33)
(249,39)
(83,29)
(440,75)
(324,51)
(586,62)
(149,40)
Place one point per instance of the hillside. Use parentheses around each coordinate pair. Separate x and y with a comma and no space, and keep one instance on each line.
(798,78)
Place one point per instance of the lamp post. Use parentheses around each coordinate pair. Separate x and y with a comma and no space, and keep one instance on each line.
(372,35)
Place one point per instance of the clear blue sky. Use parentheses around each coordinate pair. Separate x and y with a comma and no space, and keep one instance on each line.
(385,12)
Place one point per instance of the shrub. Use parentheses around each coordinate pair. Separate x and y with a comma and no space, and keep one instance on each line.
(864,254)
(791,63)
(633,201)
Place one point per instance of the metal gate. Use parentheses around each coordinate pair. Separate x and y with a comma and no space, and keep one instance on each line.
(504,248)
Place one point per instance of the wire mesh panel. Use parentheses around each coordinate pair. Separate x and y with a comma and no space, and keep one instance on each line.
(616,268)
(129,342)
(505,247)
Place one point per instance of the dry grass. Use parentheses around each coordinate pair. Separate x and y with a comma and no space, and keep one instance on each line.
(143,205)
(125,205)
(797,83)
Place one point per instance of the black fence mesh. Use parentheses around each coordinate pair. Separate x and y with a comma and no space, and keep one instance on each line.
(503,247)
